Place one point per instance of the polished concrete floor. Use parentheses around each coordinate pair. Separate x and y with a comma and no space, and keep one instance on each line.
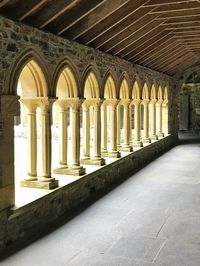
(151,219)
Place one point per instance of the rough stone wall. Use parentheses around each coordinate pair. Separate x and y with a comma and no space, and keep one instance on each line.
(193,93)
(16,38)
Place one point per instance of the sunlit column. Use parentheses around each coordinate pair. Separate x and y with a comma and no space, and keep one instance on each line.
(104,136)
(126,144)
(146,121)
(153,119)
(113,127)
(97,130)
(137,127)
(118,126)
(46,138)
(130,127)
(75,107)
(31,107)
(86,130)
(159,117)
(63,131)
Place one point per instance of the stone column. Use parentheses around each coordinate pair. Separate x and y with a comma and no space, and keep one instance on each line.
(113,152)
(145,138)
(104,136)
(153,120)
(97,134)
(45,180)
(119,126)
(63,135)
(159,118)
(126,145)
(31,106)
(75,167)
(130,117)
(137,128)
(86,131)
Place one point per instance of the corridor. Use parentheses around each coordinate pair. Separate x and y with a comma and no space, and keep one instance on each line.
(152,218)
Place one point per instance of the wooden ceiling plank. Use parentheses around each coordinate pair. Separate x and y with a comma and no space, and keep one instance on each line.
(137,51)
(168,53)
(165,60)
(167,8)
(180,13)
(159,51)
(133,37)
(164,2)
(3,3)
(76,13)
(113,25)
(92,19)
(136,26)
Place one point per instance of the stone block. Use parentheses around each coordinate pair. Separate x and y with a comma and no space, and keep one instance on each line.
(39,184)
(69,171)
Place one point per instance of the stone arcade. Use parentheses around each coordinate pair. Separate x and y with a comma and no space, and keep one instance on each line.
(112,116)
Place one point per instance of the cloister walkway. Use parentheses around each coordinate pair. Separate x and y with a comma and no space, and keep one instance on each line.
(151,219)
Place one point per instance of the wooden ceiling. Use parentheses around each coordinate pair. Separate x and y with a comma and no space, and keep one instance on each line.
(160,34)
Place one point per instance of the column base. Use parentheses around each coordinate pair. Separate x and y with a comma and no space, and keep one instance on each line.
(126,148)
(112,154)
(160,135)
(51,184)
(137,143)
(79,170)
(154,137)
(93,161)
(146,140)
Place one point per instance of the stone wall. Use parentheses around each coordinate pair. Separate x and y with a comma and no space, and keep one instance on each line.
(32,220)
(192,92)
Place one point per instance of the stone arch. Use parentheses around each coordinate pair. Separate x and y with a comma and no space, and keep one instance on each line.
(65,80)
(33,65)
(145,92)
(91,86)
(153,92)
(136,91)
(160,93)
(124,89)
(109,88)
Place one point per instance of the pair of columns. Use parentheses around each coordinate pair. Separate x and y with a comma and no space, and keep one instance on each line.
(33,180)
(74,104)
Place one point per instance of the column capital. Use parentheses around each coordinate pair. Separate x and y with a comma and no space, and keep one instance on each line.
(135,102)
(30,103)
(153,101)
(124,102)
(112,102)
(159,102)
(75,103)
(93,102)
(145,101)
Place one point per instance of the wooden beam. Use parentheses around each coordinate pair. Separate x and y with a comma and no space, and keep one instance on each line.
(101,13)
(122,30)
(138,50)
(3,2)
(180,13)
(167,8)
(26,9)
(152,50)
(118,46)
(108,14)
(66,13)
(164,2)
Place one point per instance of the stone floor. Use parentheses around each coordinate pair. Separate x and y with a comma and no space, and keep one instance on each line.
(151,219)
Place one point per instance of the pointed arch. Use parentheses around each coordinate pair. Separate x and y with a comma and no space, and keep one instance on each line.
(160,93)
(136,91)
(124,90)
(29,63)
(153,92)
(91,85)
(165,94)
(66,84)
(145,92)
(109,88)
(31,81)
